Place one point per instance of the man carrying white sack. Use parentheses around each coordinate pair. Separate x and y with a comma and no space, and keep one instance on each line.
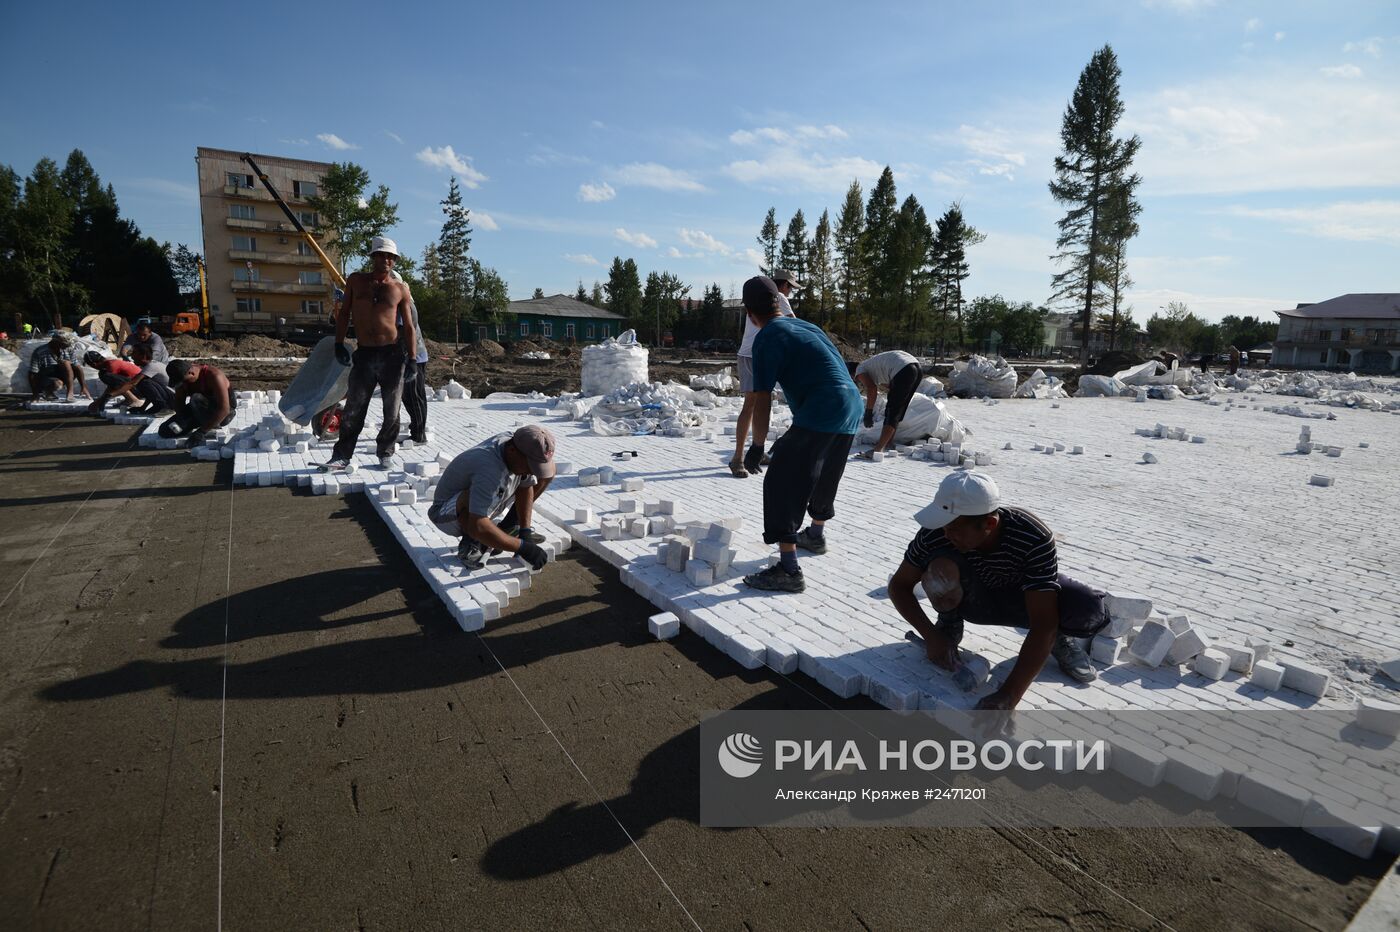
(507,471)
(991,564)
(899,375)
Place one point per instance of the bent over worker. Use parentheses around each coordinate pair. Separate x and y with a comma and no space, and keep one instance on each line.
(203,399)
(991,564)
(899,375)
(503,474)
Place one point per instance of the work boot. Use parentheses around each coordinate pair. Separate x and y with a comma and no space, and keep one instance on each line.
(809,542)
(753,460)
(471,553)
(951,627)
(514,531)
(339,466)
(1069,653)
(737,470)
(776,579)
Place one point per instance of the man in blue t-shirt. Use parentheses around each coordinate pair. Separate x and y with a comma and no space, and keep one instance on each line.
(808,461)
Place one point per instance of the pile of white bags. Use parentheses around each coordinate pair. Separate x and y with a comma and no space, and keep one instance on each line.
(1040,385)
(613,364)
(721,381)
(1101,386)
(982,377)
(931,387)
(650,408)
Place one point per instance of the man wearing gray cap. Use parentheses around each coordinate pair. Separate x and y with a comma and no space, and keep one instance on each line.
(57,363)
(991,564)
(376,303)
(503,474)
(741,465)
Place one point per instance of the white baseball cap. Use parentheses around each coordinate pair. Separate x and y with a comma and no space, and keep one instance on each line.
(383,244)
(963,493)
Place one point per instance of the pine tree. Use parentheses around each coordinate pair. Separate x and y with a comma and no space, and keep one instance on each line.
(581,295)
(539,293)
(910,249)
(624,289)
(42,254)
(850,233)
(1093,166)
(952,236)
(595,297)
(880,272)
(1120,225)
(820,290)
(431,267)
(768,241)
(661,302)
(792,255)
(712,312)
(456,268)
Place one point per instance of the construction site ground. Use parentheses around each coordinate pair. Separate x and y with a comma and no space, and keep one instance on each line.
(245,706)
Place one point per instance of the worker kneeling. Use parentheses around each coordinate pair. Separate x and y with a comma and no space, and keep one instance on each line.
(203,399)
(504,474)
(991,564)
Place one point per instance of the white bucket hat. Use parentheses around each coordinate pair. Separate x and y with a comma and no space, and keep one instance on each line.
(384,244)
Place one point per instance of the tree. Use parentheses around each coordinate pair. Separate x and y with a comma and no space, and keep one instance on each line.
(11,283)
(595,297)
(489,295)
(1093,166)
(184,265)
(343,211)
(792,255)
(43,221)
(910,248)
(539,293)
(819,287)
(581,295)
(1023,329)
(661,302)
(850,232)
(712,312)
(455,270)
(1120,225)
(624,290)
(768,241)
(951,239)
(1178,330)
(880,274)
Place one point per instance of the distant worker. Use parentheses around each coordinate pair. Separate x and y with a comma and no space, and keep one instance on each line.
(57,363)
(143,335)
(899,375)
(991,564)
(376,303)
(506,473)
(741,465)
(203,399)
(810,458)
(415,388)
(141,379)
(27,330)
(1234,360)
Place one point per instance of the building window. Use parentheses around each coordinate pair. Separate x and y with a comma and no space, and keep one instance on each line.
(235,180)
(546,328)
(1324,336)
(588,332)
(303,189)
(524,328)
(245,243)
(1346,334)
(313,307)
(569,331)
(241,273)
(250,305)
(304,248)
(307,218)
(309,278)
(241,211)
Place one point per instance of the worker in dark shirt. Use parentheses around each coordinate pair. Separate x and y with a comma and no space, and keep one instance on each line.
(991,564)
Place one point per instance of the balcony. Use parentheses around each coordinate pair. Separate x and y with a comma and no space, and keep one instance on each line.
(242,287)
(259,193)
(274,258)
(265,226)
(1376,339)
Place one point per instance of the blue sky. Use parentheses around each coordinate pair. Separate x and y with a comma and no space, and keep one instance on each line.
(1271,130)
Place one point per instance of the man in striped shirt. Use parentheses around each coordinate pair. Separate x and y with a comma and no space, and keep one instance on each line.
(990,564)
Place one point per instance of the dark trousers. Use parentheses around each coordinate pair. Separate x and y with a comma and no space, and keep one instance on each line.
(902,388)
(193,416)
(372,366)
(154,392)
(1082,611)
(806,469)
(415,399)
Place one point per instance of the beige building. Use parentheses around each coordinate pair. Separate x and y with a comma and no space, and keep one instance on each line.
(259,268)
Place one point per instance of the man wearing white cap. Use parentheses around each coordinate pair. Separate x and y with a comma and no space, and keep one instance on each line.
(991,564)
(477,486)
(376,303)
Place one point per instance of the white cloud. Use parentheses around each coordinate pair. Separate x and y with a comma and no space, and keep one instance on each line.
(582,258)
(1180,6)
(295,142)
(1263,132)
(652,175)
(1341,71)
(459,165)
(797,171)
(1369,46)
(1251,24)
(394,136)
(591,193)
(640,240)
(699,239)
(1353,221)
(481,220)
(1278,36)
(802,133)
(333,141)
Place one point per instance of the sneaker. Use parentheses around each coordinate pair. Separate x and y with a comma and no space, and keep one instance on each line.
(339,466)
(737,470)
(386,462)
(810,543)
(1069,653)
(951,628)
(471,553)
(419,439)
(753,461)
(514,531)
(776,579)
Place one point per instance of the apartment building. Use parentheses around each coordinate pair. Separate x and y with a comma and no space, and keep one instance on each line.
(260,271)
(1356,332)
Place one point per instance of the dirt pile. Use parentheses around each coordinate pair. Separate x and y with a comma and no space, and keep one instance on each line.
(249,345)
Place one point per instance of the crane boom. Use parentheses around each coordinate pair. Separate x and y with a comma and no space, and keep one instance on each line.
(315,246)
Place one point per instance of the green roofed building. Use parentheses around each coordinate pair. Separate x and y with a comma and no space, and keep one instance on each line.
(559,318)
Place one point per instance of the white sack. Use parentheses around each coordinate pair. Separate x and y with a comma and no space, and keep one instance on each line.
(1101,386)
(983,377)
(613,364)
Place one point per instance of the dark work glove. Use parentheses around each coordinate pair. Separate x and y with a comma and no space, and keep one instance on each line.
(869,417)
(342,354)
(532,554)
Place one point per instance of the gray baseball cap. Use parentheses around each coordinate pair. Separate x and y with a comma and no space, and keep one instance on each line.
(783,275)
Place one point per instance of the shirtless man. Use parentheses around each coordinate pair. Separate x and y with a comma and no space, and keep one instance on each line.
(375,302)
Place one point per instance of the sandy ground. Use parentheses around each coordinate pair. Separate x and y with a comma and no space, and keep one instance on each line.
(245,707)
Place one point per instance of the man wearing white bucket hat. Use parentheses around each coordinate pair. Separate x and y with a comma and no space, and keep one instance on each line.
(376,303)
(991,564)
